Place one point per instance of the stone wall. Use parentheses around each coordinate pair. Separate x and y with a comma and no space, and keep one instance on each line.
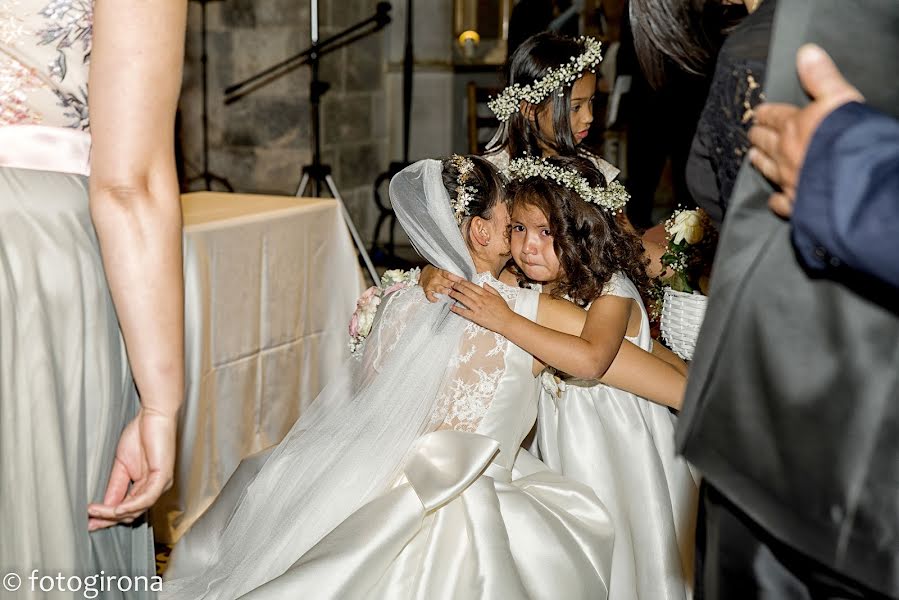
(261,142)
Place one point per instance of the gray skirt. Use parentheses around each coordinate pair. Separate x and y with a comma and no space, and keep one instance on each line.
(66,393)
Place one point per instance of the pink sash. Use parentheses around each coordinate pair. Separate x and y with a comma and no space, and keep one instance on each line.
(43,148)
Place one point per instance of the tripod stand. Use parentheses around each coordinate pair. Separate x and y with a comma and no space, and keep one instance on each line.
(318,173)
(206,176)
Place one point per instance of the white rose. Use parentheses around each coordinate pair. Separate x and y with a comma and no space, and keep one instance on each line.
(367,317)
(687,226)
(392,276)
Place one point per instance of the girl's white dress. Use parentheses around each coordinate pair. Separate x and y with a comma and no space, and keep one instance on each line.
(456,524)
(623,447)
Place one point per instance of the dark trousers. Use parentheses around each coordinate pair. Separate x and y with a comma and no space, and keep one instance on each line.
(736,559)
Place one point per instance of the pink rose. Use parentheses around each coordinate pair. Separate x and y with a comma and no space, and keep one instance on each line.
(367,296)
(354,325)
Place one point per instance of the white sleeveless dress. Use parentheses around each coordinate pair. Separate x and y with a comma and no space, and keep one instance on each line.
(456,525)
(623,447)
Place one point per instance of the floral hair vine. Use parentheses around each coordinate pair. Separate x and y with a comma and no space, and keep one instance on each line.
(508,101)
(464,193)
(613,197)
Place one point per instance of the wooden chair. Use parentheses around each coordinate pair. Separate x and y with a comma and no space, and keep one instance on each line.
(481,122)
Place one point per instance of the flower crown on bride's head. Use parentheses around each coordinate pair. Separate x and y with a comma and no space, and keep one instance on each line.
(508,101)
(464,193)
(612,198)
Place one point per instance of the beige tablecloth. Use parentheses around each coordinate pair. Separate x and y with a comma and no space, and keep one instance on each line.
(270,285)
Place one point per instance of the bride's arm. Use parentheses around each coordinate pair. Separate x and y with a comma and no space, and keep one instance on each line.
(587,354)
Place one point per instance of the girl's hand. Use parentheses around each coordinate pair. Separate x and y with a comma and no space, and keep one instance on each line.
(482,305)
(437,281)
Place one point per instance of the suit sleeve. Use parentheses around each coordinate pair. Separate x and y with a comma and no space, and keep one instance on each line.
(846,214)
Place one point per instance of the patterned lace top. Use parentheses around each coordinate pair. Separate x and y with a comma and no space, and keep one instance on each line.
(721,142)
(45,48)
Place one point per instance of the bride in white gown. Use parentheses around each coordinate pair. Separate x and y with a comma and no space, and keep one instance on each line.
(397,483)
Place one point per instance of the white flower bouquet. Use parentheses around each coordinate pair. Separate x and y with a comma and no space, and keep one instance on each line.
(367,305)
(678,297)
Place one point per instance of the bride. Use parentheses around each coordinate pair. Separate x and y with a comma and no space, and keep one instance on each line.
(397,482)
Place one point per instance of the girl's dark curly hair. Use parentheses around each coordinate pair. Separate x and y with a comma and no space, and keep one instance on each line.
(484,179)
(590,242)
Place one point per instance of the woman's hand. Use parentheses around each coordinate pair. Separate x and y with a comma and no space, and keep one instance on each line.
(482,305)
(437,281)
(141,472)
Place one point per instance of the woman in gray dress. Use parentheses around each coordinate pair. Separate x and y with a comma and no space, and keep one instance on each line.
(91,288)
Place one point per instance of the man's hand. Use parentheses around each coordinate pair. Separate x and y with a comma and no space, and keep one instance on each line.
(782,132)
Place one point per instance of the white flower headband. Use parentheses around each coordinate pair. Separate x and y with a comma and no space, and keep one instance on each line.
(508,102)
(613,197)
(464,193)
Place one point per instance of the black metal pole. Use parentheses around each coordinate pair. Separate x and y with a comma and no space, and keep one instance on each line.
(316,89)
(408,60)
(206,176)
(204,60)
(380,19)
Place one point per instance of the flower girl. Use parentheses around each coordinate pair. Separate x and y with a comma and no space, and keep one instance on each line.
(564,235)
(547,108)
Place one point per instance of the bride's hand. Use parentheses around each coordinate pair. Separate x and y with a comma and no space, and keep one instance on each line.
(142,470)
(437,281)
(481,305)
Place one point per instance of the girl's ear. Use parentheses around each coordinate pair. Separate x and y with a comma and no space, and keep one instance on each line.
(479,232)
(529,111)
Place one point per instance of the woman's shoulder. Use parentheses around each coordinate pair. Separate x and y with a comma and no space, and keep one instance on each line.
(619,284)
(608,170)
(509,293)
(499,158)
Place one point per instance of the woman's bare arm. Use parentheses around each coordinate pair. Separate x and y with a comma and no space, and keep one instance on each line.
(135,78)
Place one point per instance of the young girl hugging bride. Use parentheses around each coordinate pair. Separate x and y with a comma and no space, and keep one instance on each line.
(564,235)
(397,482)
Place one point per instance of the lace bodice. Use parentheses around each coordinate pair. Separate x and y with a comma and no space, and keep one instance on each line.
(45,48)
(490,386)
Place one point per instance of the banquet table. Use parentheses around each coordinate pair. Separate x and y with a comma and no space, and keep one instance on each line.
(270,285)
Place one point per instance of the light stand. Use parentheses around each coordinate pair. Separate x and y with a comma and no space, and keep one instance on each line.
(207,176)
(386,212)
(318,173)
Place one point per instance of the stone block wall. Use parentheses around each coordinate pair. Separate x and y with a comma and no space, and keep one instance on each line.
(261,142)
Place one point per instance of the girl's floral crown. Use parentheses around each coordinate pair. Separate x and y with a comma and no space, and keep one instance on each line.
(613,197)
(507,103)
(464,193)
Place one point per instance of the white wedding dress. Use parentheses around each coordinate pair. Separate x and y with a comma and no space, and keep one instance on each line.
(623,447)
(455,524)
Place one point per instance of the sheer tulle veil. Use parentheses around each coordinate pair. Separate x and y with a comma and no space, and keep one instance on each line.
(352,442)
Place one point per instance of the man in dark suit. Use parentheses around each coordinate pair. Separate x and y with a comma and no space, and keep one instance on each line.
(792,406)
(837,161)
